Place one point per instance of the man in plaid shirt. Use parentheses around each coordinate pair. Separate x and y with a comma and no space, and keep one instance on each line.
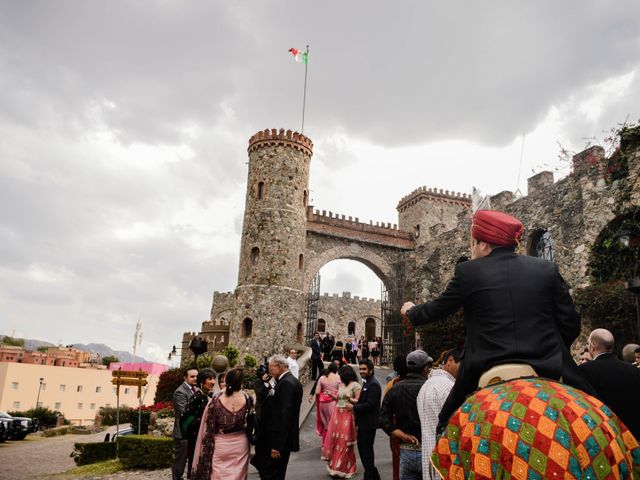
(430,400)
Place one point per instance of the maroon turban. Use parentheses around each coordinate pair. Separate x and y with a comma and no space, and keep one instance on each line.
(496,228)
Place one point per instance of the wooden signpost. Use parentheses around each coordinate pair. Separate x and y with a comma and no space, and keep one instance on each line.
(129,379)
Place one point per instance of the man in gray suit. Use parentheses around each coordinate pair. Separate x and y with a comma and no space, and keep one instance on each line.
(180,399)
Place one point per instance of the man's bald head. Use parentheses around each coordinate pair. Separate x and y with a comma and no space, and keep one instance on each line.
(601,341)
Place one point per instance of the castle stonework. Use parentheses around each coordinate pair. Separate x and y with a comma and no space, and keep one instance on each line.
(285,242)
(269,296)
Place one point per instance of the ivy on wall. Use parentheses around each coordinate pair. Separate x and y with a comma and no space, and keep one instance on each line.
(610,259)
(443,334)
(609,305)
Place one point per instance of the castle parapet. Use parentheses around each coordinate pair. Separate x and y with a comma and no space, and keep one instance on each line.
(501,200)
(329,223)
(590,162)
(538,182)
(435,195)
(281,137)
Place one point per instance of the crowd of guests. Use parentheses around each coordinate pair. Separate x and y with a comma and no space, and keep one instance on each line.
(213,439)
(216,424)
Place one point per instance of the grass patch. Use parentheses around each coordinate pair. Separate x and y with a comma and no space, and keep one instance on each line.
(100,468)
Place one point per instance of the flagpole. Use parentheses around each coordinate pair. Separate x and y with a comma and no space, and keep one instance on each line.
(304,95)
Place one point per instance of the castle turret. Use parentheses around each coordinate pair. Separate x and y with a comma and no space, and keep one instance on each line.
(269,295)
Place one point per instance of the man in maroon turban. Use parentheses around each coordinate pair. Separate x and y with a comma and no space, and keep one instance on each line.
(517,309)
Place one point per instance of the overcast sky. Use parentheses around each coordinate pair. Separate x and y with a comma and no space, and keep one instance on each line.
(124,127)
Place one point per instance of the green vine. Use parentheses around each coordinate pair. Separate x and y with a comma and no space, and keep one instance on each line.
(610,258)
(443,334)
(609,305)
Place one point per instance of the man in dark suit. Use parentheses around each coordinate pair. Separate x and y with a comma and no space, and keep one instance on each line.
(281,418)
(617,383)
(517,309)
(366,411)
(316,356)
(181,397)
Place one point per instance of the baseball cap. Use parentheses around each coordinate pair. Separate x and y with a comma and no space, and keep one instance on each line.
(418,359)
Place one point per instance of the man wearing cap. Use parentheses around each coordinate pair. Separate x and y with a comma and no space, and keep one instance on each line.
(399,414)
(517,309)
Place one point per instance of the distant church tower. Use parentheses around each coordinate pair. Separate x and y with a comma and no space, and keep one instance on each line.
(269,297)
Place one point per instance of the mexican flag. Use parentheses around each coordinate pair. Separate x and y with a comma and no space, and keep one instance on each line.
(299,55)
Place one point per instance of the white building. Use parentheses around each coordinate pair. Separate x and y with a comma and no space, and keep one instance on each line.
(76,392)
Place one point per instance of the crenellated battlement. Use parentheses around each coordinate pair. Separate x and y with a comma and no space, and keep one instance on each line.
(271,137)
(348,219)
(347,296)
(434,194)
(330,223)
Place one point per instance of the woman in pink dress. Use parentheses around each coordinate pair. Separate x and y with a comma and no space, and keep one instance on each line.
(222,448)
(338,446)
(326,396)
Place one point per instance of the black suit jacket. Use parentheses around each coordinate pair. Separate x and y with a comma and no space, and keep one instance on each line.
(617,384)
(316,349)
(368,407)
(181,397)
(281,420)
(516,309)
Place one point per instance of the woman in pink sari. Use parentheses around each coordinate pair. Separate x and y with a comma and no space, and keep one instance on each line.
(222,448)
(338,446)
(326,396)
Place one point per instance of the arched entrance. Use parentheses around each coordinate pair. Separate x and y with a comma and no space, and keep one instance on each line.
(369,329)
(351,328)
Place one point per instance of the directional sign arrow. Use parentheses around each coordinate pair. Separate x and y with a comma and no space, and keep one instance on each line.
(130,374)
(135,382)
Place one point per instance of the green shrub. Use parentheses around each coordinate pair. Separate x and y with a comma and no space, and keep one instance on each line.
(145,451)
(45,416)
(250,361)
(86,453)
(232,354)
(145,418)
(108,415)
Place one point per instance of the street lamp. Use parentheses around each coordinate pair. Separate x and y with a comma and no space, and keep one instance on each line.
(39,389)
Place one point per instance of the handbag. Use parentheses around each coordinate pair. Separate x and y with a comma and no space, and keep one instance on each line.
(250,420)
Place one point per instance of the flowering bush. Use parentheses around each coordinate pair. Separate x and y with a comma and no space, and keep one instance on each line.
(163,409)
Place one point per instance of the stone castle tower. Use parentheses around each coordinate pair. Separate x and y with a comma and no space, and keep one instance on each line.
(271,273)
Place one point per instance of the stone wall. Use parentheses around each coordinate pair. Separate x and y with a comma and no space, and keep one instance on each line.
(339,310)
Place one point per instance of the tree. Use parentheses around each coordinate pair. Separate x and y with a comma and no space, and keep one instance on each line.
(13,342)
(109,359)
(43,348)
(232,354)
(167,384)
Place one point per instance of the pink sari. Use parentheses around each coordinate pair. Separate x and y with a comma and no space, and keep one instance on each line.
(225,456)
(325,404)
(338,446)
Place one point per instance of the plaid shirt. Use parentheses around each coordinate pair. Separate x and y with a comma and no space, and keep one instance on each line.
(430,400)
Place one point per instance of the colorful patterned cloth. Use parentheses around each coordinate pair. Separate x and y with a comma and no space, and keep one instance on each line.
(529,429)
